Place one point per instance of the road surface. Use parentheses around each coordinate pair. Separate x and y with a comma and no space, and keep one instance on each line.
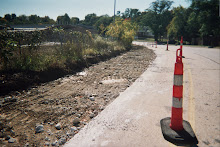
(133,119)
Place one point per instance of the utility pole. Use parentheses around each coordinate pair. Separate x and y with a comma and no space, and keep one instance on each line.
(114,9)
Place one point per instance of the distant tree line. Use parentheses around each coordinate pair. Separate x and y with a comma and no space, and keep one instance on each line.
(13,19)
(200,20)
(90,20)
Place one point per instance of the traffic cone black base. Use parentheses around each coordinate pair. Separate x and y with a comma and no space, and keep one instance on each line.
(179,138)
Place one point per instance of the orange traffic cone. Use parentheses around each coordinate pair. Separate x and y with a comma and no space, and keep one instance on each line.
(175,129)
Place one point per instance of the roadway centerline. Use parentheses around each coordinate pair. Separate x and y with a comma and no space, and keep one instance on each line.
(191,101)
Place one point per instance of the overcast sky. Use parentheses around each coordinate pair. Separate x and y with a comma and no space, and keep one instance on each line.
(74,8)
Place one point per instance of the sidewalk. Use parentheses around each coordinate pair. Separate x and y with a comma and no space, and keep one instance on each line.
(133,119)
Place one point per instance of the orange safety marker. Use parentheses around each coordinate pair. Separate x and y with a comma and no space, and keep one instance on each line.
(175,129)
(177,110)
(181,47)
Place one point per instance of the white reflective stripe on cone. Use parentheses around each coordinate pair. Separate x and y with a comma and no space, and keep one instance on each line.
(178,80)
(177,102)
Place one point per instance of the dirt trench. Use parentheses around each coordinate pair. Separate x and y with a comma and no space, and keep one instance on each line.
(62,107)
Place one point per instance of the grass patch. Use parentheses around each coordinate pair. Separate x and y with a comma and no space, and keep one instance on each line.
(40,58)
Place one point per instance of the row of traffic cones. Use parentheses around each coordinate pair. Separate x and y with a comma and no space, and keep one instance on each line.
(156,45)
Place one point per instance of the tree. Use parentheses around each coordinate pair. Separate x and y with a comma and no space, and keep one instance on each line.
(34,19)
(127,13)
(59,19)
(102,23)
(193,25)
(158,16)
(75,20)
(133,14)
(123,31)
(199,20)
(207,15)
(177,26)
(64,20)
(47,20)
(90,19)
(13,16)
(8,17)
(23,19)
(3,21)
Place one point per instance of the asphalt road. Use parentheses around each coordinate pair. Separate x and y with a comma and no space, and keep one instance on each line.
(133,119)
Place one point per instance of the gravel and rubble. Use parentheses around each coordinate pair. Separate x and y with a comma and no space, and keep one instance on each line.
(52,113)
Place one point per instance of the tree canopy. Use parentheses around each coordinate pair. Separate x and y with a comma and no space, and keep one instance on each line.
(90,19)
(63,20)
(201,19)
(177,26)
(157,17)
(132,14)
(12,19)
(123,31)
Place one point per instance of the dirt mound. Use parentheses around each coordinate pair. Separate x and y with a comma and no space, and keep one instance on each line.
(52,113)
(11,81)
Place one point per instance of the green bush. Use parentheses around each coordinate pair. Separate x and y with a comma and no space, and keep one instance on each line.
(124,31)
(24,51)
(101,45)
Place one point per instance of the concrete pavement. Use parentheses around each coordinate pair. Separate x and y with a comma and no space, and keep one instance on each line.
(133,119)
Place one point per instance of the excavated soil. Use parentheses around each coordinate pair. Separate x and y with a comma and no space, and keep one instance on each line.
(51,113)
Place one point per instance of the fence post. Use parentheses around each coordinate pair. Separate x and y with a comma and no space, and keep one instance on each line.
(167,45)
